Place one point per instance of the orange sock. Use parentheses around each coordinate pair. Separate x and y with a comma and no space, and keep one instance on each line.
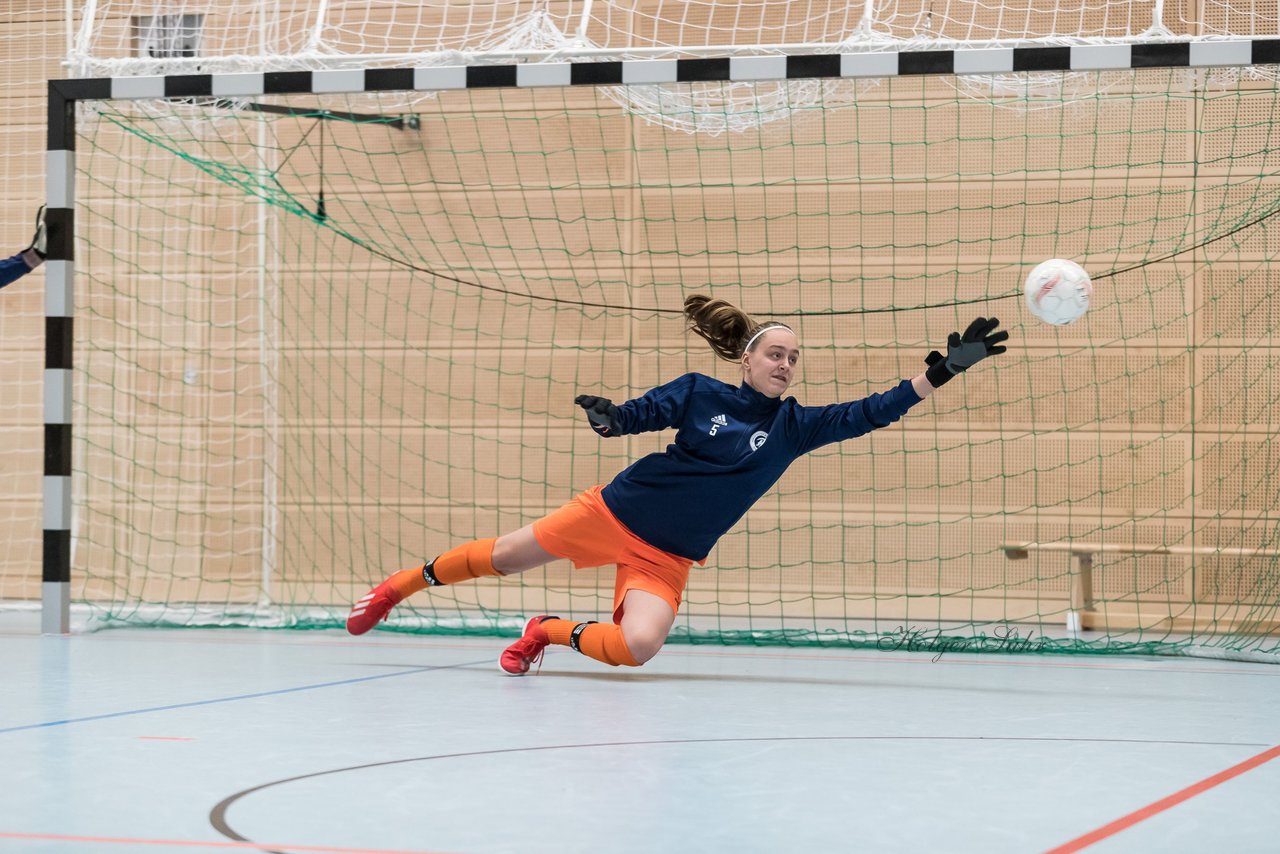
(468,561)
(406,582)
(463,563)
(601,641)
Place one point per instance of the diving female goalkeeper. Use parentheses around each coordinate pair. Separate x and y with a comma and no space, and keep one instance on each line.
(667,510)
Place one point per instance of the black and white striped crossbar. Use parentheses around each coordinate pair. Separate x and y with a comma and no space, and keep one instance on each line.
(881,63)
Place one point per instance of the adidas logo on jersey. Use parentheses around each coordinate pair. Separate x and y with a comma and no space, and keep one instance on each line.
(717,422)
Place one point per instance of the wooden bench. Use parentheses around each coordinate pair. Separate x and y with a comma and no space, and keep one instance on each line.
(1080,613)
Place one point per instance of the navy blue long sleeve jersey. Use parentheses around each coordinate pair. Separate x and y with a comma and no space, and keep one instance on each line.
(731,445)
(13,268)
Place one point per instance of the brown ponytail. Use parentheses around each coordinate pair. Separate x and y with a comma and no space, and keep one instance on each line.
(724,326)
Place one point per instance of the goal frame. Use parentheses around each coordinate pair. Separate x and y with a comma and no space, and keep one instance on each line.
(65,94)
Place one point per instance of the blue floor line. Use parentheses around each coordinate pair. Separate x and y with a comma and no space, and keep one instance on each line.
(253,696)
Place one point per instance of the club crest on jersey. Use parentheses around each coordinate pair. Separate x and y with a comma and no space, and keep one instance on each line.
(757,439)
(717,422)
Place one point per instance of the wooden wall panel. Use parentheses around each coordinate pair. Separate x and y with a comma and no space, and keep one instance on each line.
(800,225)
(990,473)
(947,140)
(188,465)
(476,150)
(418,312)
(1238,475)
(459,234)
(1240,304)
(1233,578)
(1237,390)
(155,553)
(442,386)
(515,465)
(171,387)
(22,521)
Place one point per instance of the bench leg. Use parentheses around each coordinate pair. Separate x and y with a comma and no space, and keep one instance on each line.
(1081,592)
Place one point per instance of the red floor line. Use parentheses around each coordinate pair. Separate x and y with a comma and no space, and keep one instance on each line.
(1163,804)
(196,843)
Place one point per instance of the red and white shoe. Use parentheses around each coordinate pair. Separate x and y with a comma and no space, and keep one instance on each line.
(521,655)
(372,608)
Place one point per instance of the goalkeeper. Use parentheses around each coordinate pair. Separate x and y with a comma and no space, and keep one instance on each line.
(667,510)
(17,266)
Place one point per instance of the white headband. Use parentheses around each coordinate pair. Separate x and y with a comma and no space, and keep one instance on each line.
(762,330)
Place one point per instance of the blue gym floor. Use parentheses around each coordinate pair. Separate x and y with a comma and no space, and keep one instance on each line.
(206,740)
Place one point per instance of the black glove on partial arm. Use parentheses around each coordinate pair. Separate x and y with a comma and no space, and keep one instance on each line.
(35,254)
(979,341)
(601,412)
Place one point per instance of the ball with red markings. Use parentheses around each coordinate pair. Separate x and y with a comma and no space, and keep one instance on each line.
(1058,291)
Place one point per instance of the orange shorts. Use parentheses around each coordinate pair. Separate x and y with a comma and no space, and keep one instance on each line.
(586,532)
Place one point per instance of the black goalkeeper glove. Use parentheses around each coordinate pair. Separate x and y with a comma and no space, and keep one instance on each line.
(39,240)
(979,341)
(601,412)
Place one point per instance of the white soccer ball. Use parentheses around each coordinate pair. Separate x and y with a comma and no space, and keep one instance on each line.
(1058,291)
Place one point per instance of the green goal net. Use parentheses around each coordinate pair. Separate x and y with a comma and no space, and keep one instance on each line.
(323,337)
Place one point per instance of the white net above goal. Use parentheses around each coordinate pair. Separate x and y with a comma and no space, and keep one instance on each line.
(118,37)
(144,37)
